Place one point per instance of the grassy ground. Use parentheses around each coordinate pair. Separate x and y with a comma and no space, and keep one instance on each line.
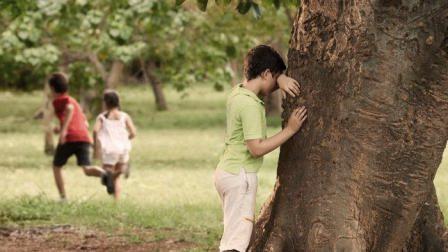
(170,191)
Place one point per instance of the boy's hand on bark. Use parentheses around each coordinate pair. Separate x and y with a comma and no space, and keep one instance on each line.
(296,119)
(288,85)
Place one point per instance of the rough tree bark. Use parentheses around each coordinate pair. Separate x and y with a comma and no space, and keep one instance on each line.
(359,175)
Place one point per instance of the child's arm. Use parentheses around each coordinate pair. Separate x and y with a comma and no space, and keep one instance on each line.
(260,147)
(288,85)
(131,127)
(68,118)
(96,146)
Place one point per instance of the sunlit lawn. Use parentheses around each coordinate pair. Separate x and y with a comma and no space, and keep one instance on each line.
(170,186)
(171,180)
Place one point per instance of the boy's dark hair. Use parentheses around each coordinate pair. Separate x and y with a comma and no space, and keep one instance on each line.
(59,83)
(111,99)
(260,58)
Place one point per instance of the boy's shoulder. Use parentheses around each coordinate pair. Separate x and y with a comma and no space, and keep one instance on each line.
(237,96)
(61,101)
(64,99)
(240,102)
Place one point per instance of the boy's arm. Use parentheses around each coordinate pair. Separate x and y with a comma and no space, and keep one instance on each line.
(66,122)
(260,147)
(288,85)
(56,128)
(131,127)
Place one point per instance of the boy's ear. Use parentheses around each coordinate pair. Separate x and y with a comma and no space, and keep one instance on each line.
(264,75)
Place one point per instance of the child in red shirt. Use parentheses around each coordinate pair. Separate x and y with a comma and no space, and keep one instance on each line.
(74,136)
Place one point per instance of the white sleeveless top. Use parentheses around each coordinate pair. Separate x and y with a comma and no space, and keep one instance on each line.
(113,135)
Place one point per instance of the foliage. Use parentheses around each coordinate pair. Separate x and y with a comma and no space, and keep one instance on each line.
(243,6)
(186,45)
(202,46)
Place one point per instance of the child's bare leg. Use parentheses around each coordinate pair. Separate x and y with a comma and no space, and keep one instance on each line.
(108,168)
(57,172)
(94,171)
(117,187)
(118,170)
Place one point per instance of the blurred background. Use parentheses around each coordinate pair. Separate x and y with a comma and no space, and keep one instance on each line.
(173,66)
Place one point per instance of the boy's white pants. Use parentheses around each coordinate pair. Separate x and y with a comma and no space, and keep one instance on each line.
(238,194)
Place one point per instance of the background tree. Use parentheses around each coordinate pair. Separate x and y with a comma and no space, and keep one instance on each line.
(103,43)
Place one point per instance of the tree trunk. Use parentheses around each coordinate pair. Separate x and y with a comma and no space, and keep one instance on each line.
(149,76)
(114,76)
(90,102)
(47,121)
(274,103)
(359,175)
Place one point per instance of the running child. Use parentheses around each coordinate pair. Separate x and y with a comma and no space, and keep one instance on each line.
(74,136)
(113,132)
(246,142)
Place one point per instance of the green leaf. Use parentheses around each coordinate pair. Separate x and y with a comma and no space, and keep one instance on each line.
(256,9)
(231,51)
(277,3)
(223,2)
(179,2)
(244,6)
(218,87)
(202,4)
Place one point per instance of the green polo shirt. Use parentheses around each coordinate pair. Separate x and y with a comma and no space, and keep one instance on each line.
(246,119)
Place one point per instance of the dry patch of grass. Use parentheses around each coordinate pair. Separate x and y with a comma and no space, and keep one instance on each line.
(69,238)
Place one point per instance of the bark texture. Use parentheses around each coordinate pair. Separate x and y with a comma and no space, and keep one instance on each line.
(359,175)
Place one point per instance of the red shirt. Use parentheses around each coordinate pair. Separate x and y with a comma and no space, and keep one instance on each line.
(77,130)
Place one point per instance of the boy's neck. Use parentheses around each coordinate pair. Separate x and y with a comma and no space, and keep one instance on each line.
(57,95)
(60,94)
(253,85)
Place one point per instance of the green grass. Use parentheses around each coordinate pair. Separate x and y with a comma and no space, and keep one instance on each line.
(170,187)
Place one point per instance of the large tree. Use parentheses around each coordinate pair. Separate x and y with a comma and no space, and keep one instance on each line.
(359,175)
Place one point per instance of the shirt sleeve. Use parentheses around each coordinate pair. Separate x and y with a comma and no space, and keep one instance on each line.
(251,121)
